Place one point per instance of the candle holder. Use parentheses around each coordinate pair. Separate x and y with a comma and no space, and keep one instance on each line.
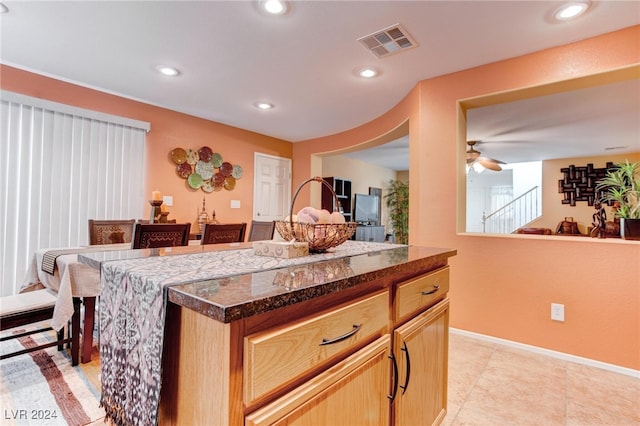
(163,217)
(156,211)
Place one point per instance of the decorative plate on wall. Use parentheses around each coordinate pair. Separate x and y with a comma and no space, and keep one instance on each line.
(226,168)
(229,183)
(184,170)
(192,157)
(178,155)
(205,169)
(194,180)
(205,153)
(216,159)
(207,186)
(237,171)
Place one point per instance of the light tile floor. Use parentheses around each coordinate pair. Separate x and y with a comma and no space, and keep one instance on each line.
(492,384)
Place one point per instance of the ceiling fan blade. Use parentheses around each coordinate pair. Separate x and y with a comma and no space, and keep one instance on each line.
(491,160)
(489,164)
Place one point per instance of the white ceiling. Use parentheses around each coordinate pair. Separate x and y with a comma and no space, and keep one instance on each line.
(596,121)
(231,55)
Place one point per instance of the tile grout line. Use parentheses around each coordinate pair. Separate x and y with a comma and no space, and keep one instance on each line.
(472,387)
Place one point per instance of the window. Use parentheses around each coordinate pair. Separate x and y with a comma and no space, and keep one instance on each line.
(59,167)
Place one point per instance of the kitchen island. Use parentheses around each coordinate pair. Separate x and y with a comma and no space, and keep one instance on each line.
(355,336)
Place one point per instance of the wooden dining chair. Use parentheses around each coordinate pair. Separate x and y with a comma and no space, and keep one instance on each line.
(213,233)
(152,235)
(110,231)
(261,231)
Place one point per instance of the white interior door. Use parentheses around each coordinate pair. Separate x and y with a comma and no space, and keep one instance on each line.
(272,187)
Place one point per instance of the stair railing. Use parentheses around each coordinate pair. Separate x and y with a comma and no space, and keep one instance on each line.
(513,215)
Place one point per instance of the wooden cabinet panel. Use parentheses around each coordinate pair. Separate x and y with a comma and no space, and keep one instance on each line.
(199,366)
(421,350)
(279,355)
(419,293)
(354,392)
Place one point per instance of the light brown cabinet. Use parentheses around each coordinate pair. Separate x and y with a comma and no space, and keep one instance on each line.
(385,362)
(351,393)
(275,357)
(421,350)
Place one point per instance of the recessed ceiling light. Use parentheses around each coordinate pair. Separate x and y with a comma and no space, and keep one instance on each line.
(263,105)
(3,8)
(367,72)
(274,7)
(571,10)
(168,71)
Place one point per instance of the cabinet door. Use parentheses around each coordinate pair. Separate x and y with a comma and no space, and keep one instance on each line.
(354,392)
(421,350)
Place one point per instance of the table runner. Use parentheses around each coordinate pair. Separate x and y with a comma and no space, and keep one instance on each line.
(132,314)
(50,256)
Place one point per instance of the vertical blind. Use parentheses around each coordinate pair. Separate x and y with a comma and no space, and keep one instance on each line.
(59,167)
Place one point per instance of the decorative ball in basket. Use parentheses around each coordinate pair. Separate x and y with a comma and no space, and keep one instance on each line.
(323,232)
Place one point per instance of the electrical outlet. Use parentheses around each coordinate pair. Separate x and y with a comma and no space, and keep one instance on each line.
(557,312)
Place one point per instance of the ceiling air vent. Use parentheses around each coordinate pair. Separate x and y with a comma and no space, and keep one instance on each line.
(387,41)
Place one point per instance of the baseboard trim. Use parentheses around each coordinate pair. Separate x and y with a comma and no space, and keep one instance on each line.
(548,352)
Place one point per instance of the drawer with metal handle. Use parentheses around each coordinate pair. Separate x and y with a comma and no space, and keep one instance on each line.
(278,356)
(420,293)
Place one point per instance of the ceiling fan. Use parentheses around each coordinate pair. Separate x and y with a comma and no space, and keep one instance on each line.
(474,157)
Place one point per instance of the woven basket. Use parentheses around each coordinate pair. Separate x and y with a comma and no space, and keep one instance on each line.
(320,237)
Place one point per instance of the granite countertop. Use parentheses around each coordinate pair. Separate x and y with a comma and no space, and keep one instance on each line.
(228,282)
(235,297)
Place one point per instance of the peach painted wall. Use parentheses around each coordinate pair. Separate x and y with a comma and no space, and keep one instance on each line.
(503,286)
(169,129)
(553,211)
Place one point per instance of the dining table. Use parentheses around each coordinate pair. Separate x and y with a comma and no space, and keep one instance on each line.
(74,282)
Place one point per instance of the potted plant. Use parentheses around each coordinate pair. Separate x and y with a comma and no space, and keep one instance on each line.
(621,186)
(397,199)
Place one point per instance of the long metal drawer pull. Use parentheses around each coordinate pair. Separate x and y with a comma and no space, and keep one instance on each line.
(356,328)
(395,378)
(405,349)
(436,287)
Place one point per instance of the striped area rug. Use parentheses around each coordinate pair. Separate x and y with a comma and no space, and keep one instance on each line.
(42,388)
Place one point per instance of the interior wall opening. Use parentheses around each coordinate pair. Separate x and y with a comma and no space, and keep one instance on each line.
(533,133)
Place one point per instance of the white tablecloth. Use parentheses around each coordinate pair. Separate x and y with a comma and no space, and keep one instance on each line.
(70,279)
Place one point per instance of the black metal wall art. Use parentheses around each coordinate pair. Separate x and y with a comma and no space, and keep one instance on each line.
(579,183)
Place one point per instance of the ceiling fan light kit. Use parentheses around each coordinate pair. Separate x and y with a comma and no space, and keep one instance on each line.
(474,159)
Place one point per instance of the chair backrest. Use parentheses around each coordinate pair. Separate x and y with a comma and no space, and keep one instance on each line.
(110,231)
(147,221)
(152,235)
(261,231)
(214,233)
